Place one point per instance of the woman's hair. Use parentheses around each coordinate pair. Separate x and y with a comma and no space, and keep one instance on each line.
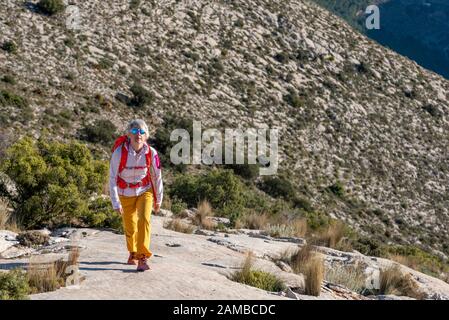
(138,123)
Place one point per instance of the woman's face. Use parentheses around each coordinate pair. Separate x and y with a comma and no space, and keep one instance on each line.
(137,135)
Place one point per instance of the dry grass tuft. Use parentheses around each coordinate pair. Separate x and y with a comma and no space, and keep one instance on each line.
(314,274)
(50,276)
(179,226)
(394,282)
(332,236)
(256,221)
(300,258)
(351,277)
(7,220)
(311,264)
(202,216)
(299,227)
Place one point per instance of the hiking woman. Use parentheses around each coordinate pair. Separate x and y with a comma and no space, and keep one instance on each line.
(135,185)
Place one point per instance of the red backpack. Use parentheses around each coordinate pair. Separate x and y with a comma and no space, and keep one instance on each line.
(123,142)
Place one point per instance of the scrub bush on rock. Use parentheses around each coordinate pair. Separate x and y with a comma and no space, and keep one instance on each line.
(54,181)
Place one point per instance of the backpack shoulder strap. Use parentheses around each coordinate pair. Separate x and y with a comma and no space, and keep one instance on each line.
(123,158)
(149,157)
(119,141)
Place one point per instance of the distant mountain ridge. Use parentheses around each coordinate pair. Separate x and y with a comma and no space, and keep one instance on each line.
(415,28)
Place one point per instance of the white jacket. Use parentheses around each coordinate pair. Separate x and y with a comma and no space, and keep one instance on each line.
(131,174)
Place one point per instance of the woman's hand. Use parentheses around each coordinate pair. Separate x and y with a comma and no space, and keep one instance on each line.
(119,210)
(157,208)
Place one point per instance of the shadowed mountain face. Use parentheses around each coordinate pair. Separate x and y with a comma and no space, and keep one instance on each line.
(417,29)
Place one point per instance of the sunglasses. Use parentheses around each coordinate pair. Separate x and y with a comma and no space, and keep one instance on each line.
(136,131)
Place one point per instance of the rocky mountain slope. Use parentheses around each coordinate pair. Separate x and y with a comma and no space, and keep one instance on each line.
(197,266)
(349,111)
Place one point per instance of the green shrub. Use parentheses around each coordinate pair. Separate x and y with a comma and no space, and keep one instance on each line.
(221,188)
(101,131)
(293,99)
(9,46)
(257,278)
(134,4)
(246,171)
(369,246)
(178,206)
(14,285)
(141,96)
(54,180)
(239,23)
(421,260)
(337,189)
(282,57)
(105,63)
(277,187)
(317,220)
(100,214)
(51,7)
(216,67)
(8,98)
(9,79)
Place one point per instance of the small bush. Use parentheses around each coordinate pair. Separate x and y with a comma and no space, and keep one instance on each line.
(417,259)
(317,220)
(177,206)
(303,204)
(9,46)
(101,131)
(282,57)
(9,79)
(54,180)
(141,96)
(350,277)
(33,238)
(216,68)
(105,63)
(337,189)
(51,7)
(393,281)
(134,4)
(257,278)
(179,226)
(221,188)
(100,214)
(256,221)
(293,99)
(246,171)
(277,187)
(369,246)
(10,99)
(14,285)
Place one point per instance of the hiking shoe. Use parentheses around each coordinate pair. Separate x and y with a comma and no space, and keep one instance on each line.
(132,259)
(142,265)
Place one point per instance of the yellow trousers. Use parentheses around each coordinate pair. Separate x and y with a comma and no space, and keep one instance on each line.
(136,223)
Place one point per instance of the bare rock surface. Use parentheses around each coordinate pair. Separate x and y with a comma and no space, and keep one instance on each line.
(192,266)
